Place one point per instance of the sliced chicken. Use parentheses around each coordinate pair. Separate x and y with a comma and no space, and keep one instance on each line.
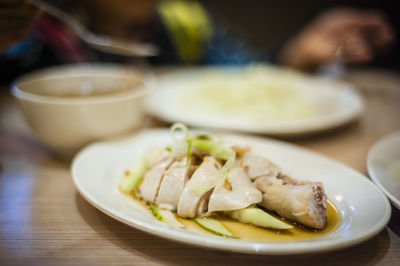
(301,201)
(174,181)
(157,154)
(256,166)
(236,192)
(148,189)
(194,203)
(203,204)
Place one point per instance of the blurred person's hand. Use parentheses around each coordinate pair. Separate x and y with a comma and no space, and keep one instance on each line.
(351,36)
(16,20)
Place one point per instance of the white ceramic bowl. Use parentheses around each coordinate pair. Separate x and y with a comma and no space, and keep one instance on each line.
(70,106)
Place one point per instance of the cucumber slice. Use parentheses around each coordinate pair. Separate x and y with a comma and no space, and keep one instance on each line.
(134,176)
(166,216)
(169,218)
(258,217)
(213,226)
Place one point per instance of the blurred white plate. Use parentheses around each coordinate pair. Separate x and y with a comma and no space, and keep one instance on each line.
(235,99)
(97,170)
(383,163)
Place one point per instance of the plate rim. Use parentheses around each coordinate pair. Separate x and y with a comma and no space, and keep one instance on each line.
(280,130)
(374,178)
(225,244)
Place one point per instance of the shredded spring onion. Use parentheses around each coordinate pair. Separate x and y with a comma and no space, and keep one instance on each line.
(189,148)
(216,149)
(184,146)
(179,126)
(181,146)
(155,212)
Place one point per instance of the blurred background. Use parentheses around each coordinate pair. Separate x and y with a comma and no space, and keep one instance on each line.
(304,35)
(269,24)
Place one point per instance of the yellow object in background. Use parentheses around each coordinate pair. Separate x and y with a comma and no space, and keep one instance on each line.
(189,27)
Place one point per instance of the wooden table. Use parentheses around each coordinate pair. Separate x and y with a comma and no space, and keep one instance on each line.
(44,220)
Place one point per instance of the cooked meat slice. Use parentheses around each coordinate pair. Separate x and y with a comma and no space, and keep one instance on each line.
(301,201)
(256,166)
(190,199)
(152,179)
(174,181)
(236,192)
(157,154)
(203,204)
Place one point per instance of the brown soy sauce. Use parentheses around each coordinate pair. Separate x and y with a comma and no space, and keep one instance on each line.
(254,233)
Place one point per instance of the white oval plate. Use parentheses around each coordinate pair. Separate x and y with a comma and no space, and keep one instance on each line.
(97,170)
(334,103)
(383,163)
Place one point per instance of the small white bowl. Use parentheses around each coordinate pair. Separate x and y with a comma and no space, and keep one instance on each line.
(70,106)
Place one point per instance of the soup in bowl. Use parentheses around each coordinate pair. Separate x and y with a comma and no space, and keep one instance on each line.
(70,106)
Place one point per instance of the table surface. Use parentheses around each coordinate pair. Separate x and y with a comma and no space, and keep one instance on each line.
(45,221)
